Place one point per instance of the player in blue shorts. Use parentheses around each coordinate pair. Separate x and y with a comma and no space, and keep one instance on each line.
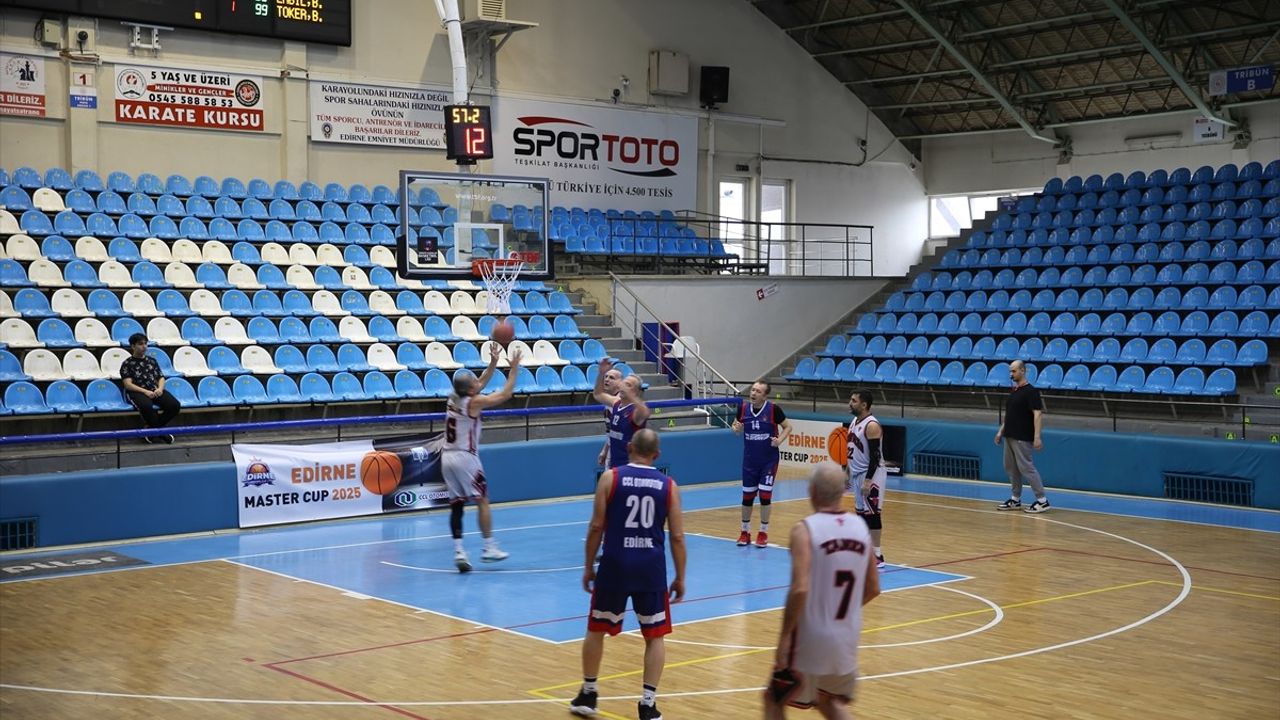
(627,411)
(764,427)
(636,507)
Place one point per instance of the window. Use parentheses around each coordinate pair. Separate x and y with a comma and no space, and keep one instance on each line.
(950,214)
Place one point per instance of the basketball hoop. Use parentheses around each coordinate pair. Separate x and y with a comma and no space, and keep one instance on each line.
(499,276)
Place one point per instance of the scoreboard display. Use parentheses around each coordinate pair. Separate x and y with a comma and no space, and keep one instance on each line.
(315,21)
(468,136)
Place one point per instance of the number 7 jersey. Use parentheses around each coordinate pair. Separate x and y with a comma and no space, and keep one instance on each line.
(826,639)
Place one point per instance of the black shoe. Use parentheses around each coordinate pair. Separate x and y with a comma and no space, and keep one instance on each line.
(1038,506)
(584,704)
(148,440)
(1009,504)
(166,439)
(648,712)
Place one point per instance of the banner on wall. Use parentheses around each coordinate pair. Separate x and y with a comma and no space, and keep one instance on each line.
(600,157)
(191,98)
(378,115)
(22,85)
(295,483)
(815,441)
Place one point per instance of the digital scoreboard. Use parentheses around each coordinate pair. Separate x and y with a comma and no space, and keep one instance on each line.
(316,21)
(468,136)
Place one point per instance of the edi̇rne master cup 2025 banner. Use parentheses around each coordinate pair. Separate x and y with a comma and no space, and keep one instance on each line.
(294,483)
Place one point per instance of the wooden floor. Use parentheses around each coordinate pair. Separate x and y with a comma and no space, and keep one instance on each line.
(1065,615)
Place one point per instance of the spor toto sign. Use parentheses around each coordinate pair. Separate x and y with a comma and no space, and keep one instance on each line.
(600,157)
(625,154)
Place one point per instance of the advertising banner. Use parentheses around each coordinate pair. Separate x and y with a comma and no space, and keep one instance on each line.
(815,441)
(600,157)
(191,98)
(294,483)
(377,115)
(22,85)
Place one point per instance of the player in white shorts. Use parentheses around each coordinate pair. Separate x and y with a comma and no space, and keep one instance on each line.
(460,458)
(867,473)
(833,574)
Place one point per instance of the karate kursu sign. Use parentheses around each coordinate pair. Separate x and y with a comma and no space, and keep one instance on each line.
(185,97)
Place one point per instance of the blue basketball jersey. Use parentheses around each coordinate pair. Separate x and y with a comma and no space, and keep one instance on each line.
(759,428)
(621,427)
(635,536)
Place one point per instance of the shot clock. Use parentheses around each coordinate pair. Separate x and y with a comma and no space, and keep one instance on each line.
(468,136)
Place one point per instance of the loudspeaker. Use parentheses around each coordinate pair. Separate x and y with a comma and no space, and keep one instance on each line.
(714,87)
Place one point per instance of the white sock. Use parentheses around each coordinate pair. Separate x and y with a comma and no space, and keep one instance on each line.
(650,695)
(457,545)
(764,527)
(746,526)
(490,544)
(878,553)
(589,685)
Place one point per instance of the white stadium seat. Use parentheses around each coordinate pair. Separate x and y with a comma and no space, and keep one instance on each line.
(380,255)
(275,254)
(43,366)
(353,329)
(257,360)
(243,277)
(302,254)
(91,332)
(465,328)
(111,360)
(356,279)
(436,303)
(464,303)
(7,311)
(48,200)
(381,302)
(216,252)
(91,249)
(139,303)
(113,274)
(23,247)
(486,348)
(438,354)
(18,333)
(410,329)
(300,277)
(80,364)
(190,362)
(162,331)
(329,254)
(180,275)
(186,251)
(381,356)
(326,303)
(206,304)
(46,274)
(157,251)
(231,331)
(547,354)
(69,304)
(8,223)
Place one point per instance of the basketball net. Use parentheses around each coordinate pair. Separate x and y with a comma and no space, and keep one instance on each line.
(499,277)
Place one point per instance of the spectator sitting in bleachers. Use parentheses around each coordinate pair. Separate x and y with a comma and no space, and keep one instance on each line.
(144,385)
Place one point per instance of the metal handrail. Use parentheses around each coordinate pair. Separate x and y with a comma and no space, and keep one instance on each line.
(809,394)
(8,440)
(707,389)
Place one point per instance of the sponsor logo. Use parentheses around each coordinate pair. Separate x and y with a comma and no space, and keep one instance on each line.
(405,498)
(247,93)
(65,564)
(579,145)
(257,474)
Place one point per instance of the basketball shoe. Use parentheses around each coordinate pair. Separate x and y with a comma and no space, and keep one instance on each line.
(1009,504)
(1038,506)
(461,561)
(648,712)
(584,704)
(494,554)
(762,539)
(880,562)
(744,539)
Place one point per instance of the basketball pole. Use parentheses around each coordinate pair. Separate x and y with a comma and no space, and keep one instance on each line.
(451,19)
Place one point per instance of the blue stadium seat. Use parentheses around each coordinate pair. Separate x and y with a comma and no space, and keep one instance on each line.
(806,369)
(1132,379)
(1193,324)
(1220,382)
(55,333)
(214,392)
(378,386)
(1252,352)
(24,398)
(409,385)
(282,389)
(32,303)
(224,361)
(314,388)
(438,385)
(1076,378)
(1134,351)
(411,356)
(11,368)
(248,390)
(105,396)
(1159,381)
(290,359)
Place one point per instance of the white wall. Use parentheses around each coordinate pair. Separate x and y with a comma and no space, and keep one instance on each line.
(742,337)
(579,51)
(1002,161)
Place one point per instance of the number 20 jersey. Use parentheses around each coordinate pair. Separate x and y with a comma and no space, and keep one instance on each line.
(635,534)
(826,638)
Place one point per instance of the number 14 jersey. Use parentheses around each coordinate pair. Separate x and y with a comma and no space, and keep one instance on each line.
(635,536)
(826,639)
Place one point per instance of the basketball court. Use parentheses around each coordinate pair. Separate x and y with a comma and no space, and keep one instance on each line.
(367,618)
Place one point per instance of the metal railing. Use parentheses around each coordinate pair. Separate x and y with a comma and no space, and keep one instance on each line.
(697,376)
(791,248)
(590,413)
(1227,420)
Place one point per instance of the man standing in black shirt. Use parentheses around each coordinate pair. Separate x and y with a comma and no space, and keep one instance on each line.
(144,385)
(1021,433)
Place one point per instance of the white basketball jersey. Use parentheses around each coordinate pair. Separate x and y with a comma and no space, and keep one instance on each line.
(859,458)
(461,431)
(826,639)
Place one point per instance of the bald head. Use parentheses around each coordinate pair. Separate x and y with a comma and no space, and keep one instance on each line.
(631,387)
(826,486)
(644,446)
(1017,372)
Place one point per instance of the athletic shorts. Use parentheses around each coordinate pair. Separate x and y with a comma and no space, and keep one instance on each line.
(804,694)
(463,475)
(652,609)
(759,479)
(870,503)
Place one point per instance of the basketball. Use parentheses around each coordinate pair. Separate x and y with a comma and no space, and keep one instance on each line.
(503,333)
(380,472)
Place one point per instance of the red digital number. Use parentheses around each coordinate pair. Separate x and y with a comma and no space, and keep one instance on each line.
(475,141)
